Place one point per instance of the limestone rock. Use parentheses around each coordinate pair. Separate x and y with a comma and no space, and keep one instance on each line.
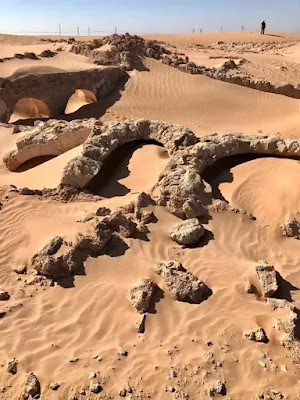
(291,228)
(32,385)
(187,232)
(21,270)
(182,284)
(267,278)
(140,295)
(121,224)
(259,335)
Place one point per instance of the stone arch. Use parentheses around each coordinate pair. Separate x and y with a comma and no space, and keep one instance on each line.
(80,98)
(30,108)
(106,138)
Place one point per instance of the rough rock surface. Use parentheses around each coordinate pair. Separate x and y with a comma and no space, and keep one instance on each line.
(121,224)
(187,232)
(141,294)
(291,228)
(12,366)
(182,284)
(267,278)
(4,295)
(55,259)
(180,186)
(95,240)
(259,335)
(32,385)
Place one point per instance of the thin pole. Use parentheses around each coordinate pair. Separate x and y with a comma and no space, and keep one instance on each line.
(59,29)
(77,31)
(89,30)
(115,29)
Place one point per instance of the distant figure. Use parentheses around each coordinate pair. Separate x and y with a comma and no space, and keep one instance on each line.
(263,27)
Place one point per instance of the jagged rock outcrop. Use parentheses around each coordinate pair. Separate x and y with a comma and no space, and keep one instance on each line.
(291,228)
(183,285)
(267,278)
(141,294)
(187,232)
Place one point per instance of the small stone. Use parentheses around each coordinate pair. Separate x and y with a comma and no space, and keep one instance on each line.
(54,386)
(171,389)
(95,387)
(122,352)
(140,325)
(258,336)
(4,295)
(187,232)
(92,375)
(262,364)
(73,360)
(123,393)
(140,295)
(21,270)
(12,366)
(103,212)
(283,368)
(250,288)
(2,313)
(173,374)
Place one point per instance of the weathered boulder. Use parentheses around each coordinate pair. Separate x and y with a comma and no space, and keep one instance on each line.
(291,228)
(267,278)
(141,294)
(259,335)
(187,232)
(32,385)
(182,284)
(121,224)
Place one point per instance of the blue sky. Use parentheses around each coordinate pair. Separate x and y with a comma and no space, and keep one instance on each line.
(142,16)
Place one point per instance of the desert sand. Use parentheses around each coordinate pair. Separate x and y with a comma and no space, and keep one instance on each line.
(69,331)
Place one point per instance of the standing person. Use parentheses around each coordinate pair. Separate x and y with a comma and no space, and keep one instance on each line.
(263,27)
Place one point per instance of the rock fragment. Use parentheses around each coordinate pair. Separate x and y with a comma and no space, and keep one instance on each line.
(259,335)
(291,228)
(96,239)
(12,366)
(32,385)
(182,284)
(267,278)
(141,294)
(4,295)
(121,224)
(188,232)
(54,386)
(95,387)
(140,325)
(21,270)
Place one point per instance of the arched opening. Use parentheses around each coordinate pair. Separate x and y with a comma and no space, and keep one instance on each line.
(132,167)
(80,98)
(267,186)
(30,108)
